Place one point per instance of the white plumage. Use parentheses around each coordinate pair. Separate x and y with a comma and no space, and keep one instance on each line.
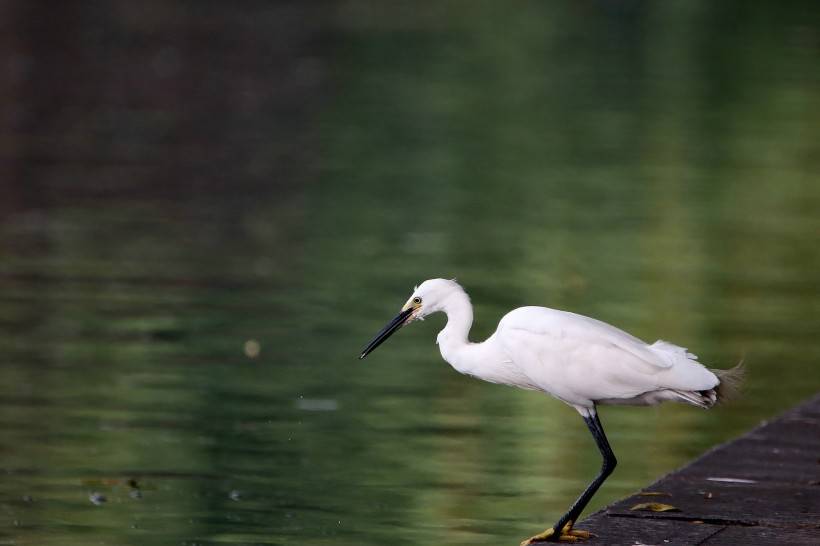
(579,360)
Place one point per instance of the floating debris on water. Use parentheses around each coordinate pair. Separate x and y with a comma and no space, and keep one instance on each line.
(252,348)
(97,498)
(136,492)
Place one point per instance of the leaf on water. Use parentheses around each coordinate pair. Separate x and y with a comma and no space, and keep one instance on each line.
(654,494)
(655,507)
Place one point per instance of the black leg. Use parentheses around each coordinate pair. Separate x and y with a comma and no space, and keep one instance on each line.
(608,465)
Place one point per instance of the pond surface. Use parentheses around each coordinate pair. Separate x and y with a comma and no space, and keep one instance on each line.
(205,214)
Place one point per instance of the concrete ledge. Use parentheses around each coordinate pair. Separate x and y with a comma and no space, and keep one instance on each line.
(761,488)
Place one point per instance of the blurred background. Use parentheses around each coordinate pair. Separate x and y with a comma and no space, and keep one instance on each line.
(208,208)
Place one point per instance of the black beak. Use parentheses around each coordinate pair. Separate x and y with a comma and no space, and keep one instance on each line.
(391,328)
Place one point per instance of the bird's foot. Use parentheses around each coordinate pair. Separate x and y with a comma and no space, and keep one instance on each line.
(568,534)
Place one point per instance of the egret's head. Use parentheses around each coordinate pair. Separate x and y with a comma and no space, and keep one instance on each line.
(428,297)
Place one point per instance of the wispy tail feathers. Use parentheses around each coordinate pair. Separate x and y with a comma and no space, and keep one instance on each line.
(728,388)
(731,381)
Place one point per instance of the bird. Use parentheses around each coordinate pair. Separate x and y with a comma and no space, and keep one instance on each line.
(578,360)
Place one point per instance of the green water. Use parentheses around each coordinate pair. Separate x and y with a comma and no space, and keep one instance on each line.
(654,166)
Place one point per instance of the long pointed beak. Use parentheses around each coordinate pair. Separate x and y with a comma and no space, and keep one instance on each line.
(391,328)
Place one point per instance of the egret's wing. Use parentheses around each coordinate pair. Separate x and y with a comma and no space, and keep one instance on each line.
(580,360)
(555,325)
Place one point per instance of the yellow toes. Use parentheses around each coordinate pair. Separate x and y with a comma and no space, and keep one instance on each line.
(540,537)
(568,534)
(569,538)
(577,533)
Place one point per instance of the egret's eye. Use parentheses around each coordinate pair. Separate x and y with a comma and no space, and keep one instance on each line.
(417,300)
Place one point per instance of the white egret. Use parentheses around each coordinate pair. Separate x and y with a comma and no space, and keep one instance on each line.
(576,359)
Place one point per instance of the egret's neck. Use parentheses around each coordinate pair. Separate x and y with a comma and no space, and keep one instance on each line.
(454,338)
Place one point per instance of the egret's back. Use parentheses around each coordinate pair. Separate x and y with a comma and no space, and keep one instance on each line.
(584,361)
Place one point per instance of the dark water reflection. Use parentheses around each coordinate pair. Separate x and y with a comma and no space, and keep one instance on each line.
(181,180)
